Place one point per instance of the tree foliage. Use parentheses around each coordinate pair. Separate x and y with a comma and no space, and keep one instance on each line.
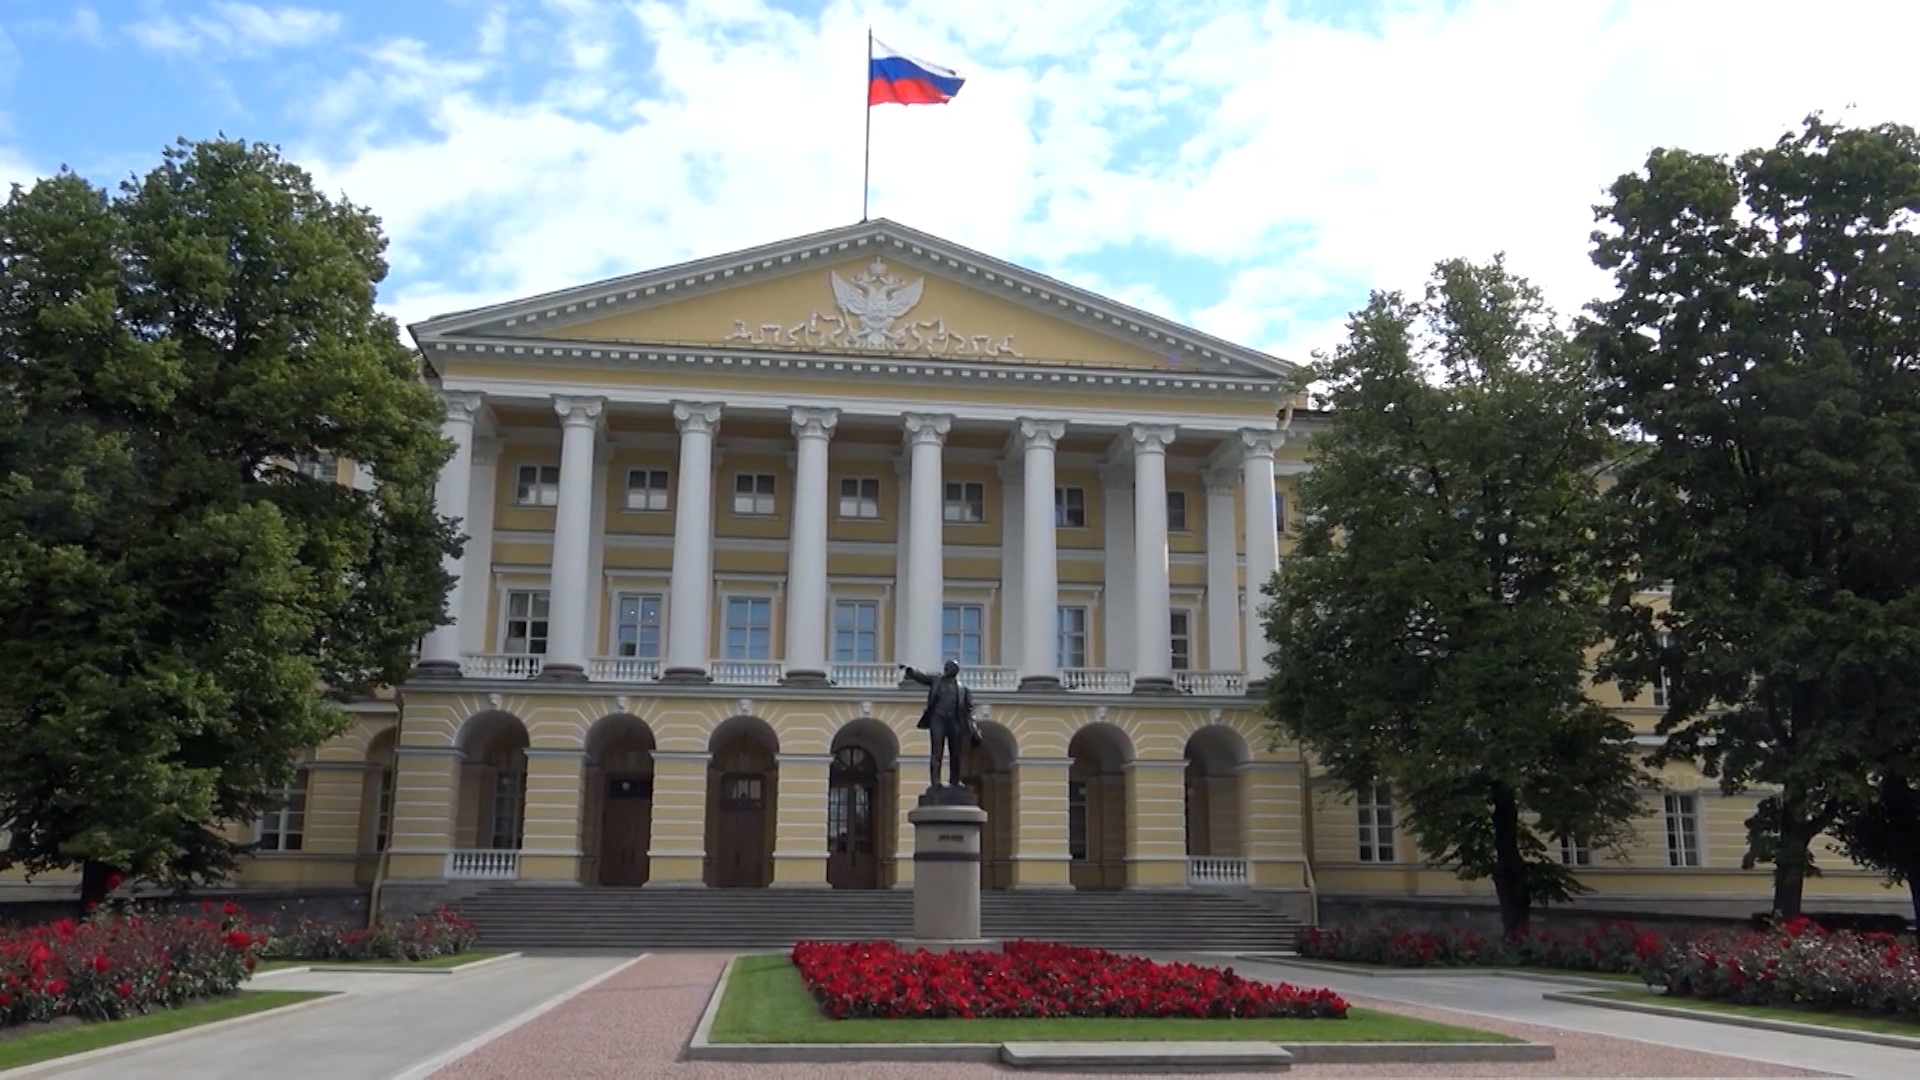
(1763,344)
(1431,629)
(171,594)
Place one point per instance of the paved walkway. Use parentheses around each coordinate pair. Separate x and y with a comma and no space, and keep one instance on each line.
(381,1026)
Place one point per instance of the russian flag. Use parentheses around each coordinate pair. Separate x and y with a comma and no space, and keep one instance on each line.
(895,78)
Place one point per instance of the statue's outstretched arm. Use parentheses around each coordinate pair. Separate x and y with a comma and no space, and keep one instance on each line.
(920,677)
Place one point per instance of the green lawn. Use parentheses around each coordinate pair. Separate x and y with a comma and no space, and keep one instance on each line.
(1879,1025)
(457,960)
(20,1050)
(1463,969)
(765,1002)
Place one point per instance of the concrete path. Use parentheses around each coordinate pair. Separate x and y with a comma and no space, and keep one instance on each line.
(382,1026)
(1520,1000)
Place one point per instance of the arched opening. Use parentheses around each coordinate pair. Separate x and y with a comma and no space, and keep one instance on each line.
(1097,807)
(987,769)
(493,783)
(617,804)
(376,793)
(743,773)
(1214,756)
(862,794)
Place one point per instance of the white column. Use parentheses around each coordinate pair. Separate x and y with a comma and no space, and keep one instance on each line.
(926,581)
(1263,541)
(1040,570)
(1117,585)
(573,529)
(806,653)
(476,636)
(902,561)
(1223,574)
(1013,515)
(440,652)
(690,592)
(1153,632)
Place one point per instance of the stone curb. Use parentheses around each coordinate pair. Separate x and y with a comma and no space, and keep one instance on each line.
(701,1047)
(381,969)
(1570,978)
(1757,1023)
(134,1046)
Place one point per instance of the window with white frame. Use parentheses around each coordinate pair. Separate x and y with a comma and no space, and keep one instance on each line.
(1077,820)
(856,632)
(1279,512)
(1374,806)
(963,633)
(860,498)
(749,628)
(317,466)
(1070,508)
(1683,830)
(383,810)
(647,489)
(753,494)
(537,485)
(526,622)
(1181,634)
(1575,852)
(509,795)
(638,626)
(1657,690)
(965,502)
(1177,512)
(283,828)
(1071,636)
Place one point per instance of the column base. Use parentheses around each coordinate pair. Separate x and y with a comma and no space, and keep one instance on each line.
(816,679)
(437,669)
(1153,684)
(1041,684)
(561,673)
(685,675)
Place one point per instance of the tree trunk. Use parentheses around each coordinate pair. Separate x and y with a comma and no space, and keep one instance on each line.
(1509,866)
(1792,857)
(1789,890)
(97,879)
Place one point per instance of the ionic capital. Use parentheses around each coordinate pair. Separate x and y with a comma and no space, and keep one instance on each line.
(1259,442)
(698,417)
(462,406)
(814,423)
(1038,434)
(577,411)
(1150,438)
(927,429)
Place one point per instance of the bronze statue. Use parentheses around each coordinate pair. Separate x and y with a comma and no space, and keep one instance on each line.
(947,719)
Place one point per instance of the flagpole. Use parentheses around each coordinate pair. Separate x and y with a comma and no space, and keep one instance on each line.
(866,160)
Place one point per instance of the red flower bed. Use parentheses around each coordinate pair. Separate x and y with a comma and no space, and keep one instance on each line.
(875,980)
(1797,964)
(423,937)
(1610,946)
(114,965)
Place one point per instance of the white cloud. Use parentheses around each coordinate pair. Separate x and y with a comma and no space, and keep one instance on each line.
(240,29)
(1317,160)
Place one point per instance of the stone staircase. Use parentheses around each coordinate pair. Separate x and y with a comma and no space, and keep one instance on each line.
(569,919)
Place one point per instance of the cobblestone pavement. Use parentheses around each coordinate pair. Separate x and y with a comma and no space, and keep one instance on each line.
(636,1024)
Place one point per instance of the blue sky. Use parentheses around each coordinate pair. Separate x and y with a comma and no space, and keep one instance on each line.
(1253,170)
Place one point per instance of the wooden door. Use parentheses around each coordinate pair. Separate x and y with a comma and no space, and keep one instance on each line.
(740,854)
(853,788)
(626,827)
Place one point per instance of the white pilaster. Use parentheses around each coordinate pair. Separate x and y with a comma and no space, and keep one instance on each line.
(1013,514)
(572,537)
(440,652)
(1117,588)
(1223,574)
(1040,571)
(690,591)
(926,581)
(806,652)
(1153,640)
(477,595)
(1263,540)
(902,557)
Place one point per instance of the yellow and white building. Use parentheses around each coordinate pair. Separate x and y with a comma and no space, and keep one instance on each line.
(711,509)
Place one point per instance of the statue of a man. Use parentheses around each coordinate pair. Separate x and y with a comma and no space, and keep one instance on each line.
(947,719)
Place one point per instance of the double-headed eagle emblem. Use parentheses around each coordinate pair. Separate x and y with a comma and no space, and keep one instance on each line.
(872,301)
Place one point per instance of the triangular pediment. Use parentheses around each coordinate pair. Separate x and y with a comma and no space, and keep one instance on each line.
(874,289)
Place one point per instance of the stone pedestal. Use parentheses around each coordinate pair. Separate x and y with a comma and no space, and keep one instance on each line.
(946,872)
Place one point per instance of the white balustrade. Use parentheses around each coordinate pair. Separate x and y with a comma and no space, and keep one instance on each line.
(866,676)
(483,864)
(1223,683)
(747,672)
(1218,872)
(501,665)
(1096,680)
(991,679)
(622,669)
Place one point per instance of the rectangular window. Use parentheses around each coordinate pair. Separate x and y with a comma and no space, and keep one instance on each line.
(284,827)
(856,632)
(962,633)
(526,622)
(638,628)
(749,628)
(965,503)
(1657,692)
(537,485)
(1077,820)
(383,810)
(860,498)
(1177,511)
(1374,806)
(318,467)
(1182,635)
(1683,830)
(1069,508)
(647,489)
(753,494)
(1279,512)
(1575,852)
(509,794)
(1071,637)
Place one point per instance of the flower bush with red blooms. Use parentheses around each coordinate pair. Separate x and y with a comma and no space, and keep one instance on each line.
(1795,964)
(440,933)
(876,980)
(116,964)
(1609,946)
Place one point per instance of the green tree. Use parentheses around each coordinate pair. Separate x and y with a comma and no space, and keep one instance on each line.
(1763,344)
(1882,832)
(172,595)
(1432,627)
